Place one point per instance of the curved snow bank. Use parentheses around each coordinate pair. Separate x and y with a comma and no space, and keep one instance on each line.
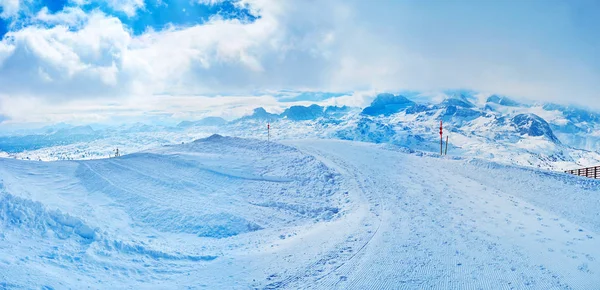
(159,215)
(137,249)
(145,218)
(221,225)
(24,214)
(217,187)
(324,213)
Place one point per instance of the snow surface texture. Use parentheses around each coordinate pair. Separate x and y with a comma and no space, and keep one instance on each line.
(230,213)
(495,128)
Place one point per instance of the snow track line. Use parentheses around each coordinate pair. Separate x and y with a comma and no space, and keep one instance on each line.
(362,187)
(353,175)
(133,194)
(155,199)
(184,184)
(202,167)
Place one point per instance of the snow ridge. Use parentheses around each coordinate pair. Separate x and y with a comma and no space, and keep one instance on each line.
(28,215)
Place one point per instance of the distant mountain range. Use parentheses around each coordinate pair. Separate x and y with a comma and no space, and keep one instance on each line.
(497,128)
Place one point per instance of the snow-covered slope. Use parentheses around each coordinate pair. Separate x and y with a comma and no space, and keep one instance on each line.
(230,213)
(156,216)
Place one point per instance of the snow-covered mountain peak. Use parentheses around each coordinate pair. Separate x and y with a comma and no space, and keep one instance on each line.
(478,125)
(387,104)
(302,113)
(503,100)
(457,102)
(259,114)
(532,125)
(78,130)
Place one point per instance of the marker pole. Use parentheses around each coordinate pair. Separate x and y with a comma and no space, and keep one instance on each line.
(441,138)
(446,153)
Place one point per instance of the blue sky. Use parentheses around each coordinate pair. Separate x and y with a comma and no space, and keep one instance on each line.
(63,58)
(156,14)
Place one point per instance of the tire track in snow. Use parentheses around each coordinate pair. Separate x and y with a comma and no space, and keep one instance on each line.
(311,271)
(456,213)
(357,177)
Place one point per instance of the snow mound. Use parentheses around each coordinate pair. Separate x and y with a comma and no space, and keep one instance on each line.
(164,210)
(32,216)
(239,172)
(130,249)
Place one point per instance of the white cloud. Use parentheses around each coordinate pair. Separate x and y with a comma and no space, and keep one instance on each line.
(129,7)
(74,63)
(80,2)
(300,45)
(5,51)
(210,2)
(71,16)
(9,8)
(103,58)
(38,110)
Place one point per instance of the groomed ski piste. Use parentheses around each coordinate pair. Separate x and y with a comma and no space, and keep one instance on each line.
(231,213)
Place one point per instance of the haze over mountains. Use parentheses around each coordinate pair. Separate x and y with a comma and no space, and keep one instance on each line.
(495,127)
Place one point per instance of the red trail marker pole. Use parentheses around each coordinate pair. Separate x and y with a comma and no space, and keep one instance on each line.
(441,138)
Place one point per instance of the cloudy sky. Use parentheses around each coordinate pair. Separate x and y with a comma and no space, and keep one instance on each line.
(92,60)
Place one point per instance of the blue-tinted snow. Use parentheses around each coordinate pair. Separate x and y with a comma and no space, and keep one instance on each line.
(225,213)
